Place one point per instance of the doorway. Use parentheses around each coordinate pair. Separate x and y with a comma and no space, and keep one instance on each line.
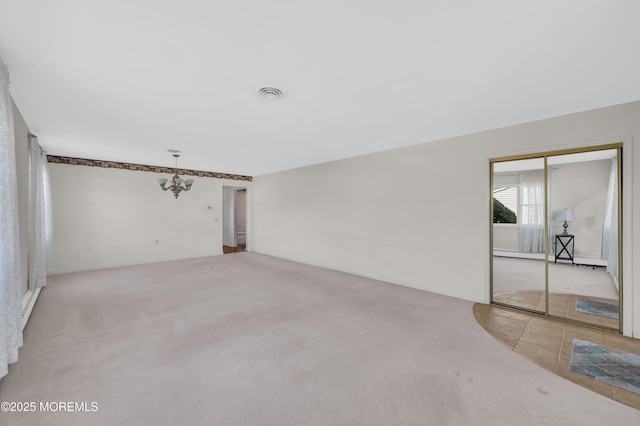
(234,221)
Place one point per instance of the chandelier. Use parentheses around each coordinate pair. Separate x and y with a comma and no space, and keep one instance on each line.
(177,183)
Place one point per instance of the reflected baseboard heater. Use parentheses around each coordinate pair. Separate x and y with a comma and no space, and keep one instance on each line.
(593,261)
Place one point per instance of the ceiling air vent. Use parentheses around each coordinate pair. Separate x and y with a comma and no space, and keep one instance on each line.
(270,92)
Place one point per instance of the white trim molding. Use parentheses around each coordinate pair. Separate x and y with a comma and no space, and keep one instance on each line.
(28,302)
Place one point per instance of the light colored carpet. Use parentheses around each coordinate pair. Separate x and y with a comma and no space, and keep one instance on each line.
(513,274)
(249,339)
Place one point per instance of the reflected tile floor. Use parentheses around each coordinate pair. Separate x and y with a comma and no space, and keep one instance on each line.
(549,343)
(562,305)
(618,368)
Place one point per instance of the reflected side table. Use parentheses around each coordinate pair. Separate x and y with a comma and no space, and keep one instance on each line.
(566,245)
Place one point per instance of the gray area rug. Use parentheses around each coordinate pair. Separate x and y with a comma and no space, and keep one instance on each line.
(597,307)
(617,368)
(248,339)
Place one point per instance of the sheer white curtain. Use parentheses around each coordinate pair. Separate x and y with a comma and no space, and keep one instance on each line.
(551,207)
(532,212)
(40,232)
(610,228)
(10,288)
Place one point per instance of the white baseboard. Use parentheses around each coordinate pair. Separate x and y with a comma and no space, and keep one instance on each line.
(28,301)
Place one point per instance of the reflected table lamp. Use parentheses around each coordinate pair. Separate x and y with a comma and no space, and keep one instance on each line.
(566,216)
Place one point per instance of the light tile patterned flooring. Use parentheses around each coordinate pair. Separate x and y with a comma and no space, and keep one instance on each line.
(548,343)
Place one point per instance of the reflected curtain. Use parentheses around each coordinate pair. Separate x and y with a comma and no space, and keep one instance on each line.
(610,228)
(40,220)
(10,287)
(551,207)
(532,212)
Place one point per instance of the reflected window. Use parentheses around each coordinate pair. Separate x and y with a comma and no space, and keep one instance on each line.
(532,189)
(505,204)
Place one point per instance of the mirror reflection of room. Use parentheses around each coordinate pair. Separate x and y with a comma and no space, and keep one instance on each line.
(518,234)
(583,260)
(582,211)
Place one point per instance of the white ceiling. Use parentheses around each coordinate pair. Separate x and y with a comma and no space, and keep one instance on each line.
(127,80)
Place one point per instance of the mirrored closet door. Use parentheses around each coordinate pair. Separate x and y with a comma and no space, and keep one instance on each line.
(518,233)
(555,236)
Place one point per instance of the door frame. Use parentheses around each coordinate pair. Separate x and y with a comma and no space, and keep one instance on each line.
(622,220)
(225,211)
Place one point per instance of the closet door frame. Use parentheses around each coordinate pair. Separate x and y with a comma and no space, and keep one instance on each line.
(544,155)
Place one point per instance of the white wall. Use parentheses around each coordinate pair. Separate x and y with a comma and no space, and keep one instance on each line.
(587,200)
(419,216)
(113,217)
(241,211)
(506,236)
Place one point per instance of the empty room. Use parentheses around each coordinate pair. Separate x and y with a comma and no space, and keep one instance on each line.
(319,213)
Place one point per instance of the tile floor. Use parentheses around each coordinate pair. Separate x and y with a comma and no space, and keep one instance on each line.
(548,343)
(561,305)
